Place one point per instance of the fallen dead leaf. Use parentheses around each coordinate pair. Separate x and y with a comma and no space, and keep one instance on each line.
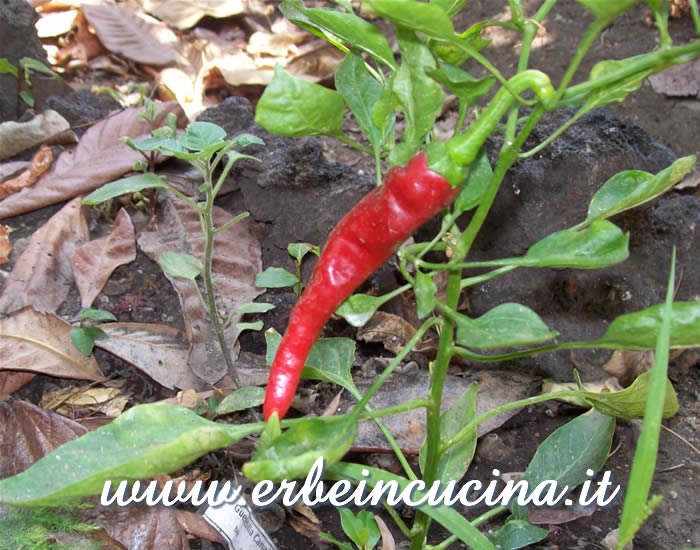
(159,351)
(127,33)
(80,46)
(388,542)
(57,23)
(543,515)
(107,401)
(42,275)
(37,342)
(626,365)
(41,162)
(27,433)
(11,381)
(388,329)
(237,259)
(182,14)
(93,262)
(12,168)
(5,245)
(195,525)
(100,157)
(16,137)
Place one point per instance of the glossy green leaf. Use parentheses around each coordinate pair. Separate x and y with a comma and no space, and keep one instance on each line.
(202,135)
(461,47)
(506,325)
(29,63)
(256,326)
(241,399)
(243,140)
(124,186)
(293,107)
(451,7)
(425,289)
(478,179)
(517,533)
(346,28)
(292,454)
(84,338)
(459,82)
(615,92)
(145,441)
(361,92)
(153,143)
(338,544)
(330,360)
(454,461)
(362,529)
(579,445)
(359,308)
(184,266)
(7,68)
(383,111)
(254,307)
(601,244)
(275,277)
(605,9)
(631,188)
(636,508)
(428,19)
(299,250)
(28,98)
(96,314)
(449,518)
(639,330)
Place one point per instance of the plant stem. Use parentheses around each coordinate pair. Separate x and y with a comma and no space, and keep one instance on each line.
(396,409)
(475,522)
(354,144)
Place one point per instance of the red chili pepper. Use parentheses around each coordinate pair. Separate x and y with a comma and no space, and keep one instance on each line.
(361,242)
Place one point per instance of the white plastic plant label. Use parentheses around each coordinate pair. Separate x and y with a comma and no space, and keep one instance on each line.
(236,523)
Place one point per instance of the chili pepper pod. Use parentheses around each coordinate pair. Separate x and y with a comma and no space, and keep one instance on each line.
(362,241)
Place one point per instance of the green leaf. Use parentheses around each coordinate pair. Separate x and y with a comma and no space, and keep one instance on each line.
(293,107)
(145,441)
(362,528)
(599,245)
(428,19)
(506,325)
(299,250)
(243,140)
(84,338)
(359,308)
(420,97)
(425,289)
(256,326)
(28,98)
(124,186)
(615,92)
(29,63)
(241,399)
(631,188)
(454,462)
(639,330)
(254,307)
(459,82)
(153,143)
(339,544)
(517,533)
(449,518)
(564,457)
(184,266)
(330,360)
(293,453)
(361,92)
(605,9)
(7,68)
(478,179)
(341,28)
(461,47)
(96,314)
(383,114)
(202,135)
(275,277)
(451,7)
(636,508)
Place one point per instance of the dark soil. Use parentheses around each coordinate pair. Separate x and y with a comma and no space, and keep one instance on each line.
(289,195)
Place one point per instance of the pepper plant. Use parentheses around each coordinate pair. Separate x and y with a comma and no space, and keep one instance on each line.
(427,177)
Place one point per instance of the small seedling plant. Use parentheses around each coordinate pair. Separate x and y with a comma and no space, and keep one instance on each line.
(426,177)
(22,73)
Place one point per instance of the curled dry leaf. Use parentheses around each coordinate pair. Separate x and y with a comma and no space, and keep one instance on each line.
(41,162)
(12,168)
(196,525)
(27,433)
(159,351)
(5,246)
(11,381)
(107,401)
(42,275)
(81,46)
(16,137)
(237,259)
(626,365)
(388,542)
(57,23)
(36,342)
(93,262)
(124,32)
(390,330)
(183,14)
(100,157)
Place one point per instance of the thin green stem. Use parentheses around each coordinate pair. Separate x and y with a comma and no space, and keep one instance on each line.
(378,166)
(354,144)
(181,196)
(471,281)
(529,33)
(397,519)
(696,15)
(475,522)
(232,221)
(396,409)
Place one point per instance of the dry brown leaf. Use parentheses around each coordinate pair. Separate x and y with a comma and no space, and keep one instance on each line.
(57,23)
(93,262)
(41,162)
(678,81)
(495,389)
(197,526)
(81,46)
(388,542)
(237,259)
(5,245)
(16,137)
(37,342)
(107,401)
(42,275)
(626,365)
(542,515)
(182,14)
(12,168)
(390,330)
(124,32)
(159,351)
(100,157)
(27,433)
(11,381)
